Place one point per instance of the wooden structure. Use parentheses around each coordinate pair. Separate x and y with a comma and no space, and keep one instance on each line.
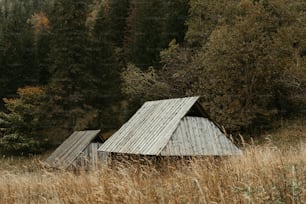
(172,127)
(80,149)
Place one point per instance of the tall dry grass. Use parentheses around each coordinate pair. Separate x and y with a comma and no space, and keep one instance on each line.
(264,174)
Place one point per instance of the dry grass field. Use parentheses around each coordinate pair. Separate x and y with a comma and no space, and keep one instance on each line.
(272,172)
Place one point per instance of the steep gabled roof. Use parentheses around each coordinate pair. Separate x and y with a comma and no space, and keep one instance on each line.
(150,128)
(198,136)
(71,148)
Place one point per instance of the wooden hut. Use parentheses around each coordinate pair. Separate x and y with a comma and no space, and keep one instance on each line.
(78,150)
(172,127)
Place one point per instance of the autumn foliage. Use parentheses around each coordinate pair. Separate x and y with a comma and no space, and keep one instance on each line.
(23,125)
(100,60)
(40,22)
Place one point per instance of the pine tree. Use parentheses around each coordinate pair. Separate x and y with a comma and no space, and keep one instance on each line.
(71,82)
(175,14)
(23,126)
(151,25)
(118,12)
(16,49)
(20,65)
(144,28)
(105,69)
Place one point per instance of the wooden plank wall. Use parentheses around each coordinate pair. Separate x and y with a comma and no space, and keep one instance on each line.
(71,148)
(197,136)
(89,157)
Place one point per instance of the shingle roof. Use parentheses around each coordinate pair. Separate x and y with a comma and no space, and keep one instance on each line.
(150,128)
(71,148)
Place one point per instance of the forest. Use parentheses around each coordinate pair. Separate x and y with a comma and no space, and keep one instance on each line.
(71,65)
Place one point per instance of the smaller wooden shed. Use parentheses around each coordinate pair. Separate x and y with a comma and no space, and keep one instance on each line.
(78,150)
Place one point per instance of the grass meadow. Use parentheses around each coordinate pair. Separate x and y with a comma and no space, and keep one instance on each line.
(271,172)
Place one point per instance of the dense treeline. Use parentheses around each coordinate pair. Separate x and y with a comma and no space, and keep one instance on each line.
(69,64)
(247,59)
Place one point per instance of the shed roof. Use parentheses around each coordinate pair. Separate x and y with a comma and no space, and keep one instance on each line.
(71,148)
(157,128)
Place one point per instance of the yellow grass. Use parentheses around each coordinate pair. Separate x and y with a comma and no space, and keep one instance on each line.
(272,172)
(264,174)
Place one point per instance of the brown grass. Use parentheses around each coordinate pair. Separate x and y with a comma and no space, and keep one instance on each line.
(262,175)
(266,173)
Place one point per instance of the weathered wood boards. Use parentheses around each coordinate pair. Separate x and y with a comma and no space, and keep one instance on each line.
(165,128)
(172,127)
(78,146)
(150,129)
(196,136)
(88,157)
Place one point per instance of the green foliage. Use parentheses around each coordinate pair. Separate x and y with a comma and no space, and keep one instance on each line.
(70,78)
(143,32)
(246,87)
(104,66)
(246,59)
(175,72)
(247,62)
(174,14)
(117,13)
(85,82)
(21,57)
(140,86)
(143,85)
(22,126)
(205,16)
(151,25)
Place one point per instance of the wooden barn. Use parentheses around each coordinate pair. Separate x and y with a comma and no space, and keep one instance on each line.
(172,127)
(78,150)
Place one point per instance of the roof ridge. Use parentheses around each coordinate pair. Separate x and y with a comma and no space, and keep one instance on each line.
(168,99)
